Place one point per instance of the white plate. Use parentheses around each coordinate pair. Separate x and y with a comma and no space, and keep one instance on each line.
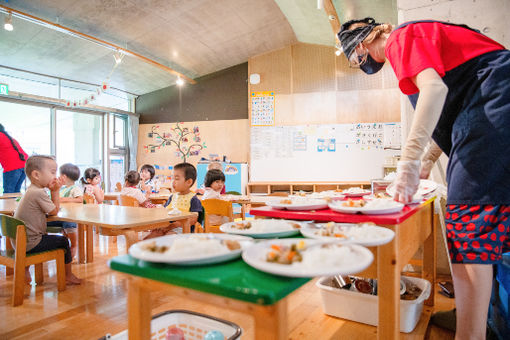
(380,235)
(271,228)
(426,187)
(298,204)
(199,257)
(358,259)
(392,207)
(359,193)
(330,194)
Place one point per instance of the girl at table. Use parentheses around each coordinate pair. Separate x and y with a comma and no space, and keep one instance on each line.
(214,183)
(462,79)
(147,185)
(91,184)
(131,181)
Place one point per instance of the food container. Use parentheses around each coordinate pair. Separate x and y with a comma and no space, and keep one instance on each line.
(359,307)
(379,185)
(194,325)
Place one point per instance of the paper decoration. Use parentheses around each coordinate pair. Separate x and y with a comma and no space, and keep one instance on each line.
(262,108)
(187,142)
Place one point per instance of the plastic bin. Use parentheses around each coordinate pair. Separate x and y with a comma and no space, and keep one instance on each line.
(359,307)
(194,325)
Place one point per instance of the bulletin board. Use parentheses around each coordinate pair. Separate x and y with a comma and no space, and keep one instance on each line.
(334,152)
(262,108)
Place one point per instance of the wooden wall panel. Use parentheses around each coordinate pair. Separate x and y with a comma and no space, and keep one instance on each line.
(274,69)
(313,68)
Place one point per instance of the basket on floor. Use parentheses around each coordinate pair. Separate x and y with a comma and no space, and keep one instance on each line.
(194,325)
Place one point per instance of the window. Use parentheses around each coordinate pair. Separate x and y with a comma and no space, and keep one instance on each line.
(79,139)
(118,131)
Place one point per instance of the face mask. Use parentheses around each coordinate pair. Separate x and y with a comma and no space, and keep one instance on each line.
(370,66)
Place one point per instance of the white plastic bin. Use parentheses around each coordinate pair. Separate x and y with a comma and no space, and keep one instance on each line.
(359,307)
(194,325)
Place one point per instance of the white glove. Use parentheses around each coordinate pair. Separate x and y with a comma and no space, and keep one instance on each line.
(408,180)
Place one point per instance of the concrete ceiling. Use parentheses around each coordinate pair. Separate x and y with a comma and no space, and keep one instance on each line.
(194,37)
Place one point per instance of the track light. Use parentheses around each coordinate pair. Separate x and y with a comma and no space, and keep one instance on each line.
(118,57)
(179,81)
(8,22)
(320,4)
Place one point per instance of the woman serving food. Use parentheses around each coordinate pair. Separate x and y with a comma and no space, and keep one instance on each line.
(462,79)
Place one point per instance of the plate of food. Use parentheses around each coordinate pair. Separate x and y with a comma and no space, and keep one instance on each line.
(365,234)
(426,187)
(356,192)
(190,249)
(264,228)
(368,207)
(328,195)
(307,258)
(298,203)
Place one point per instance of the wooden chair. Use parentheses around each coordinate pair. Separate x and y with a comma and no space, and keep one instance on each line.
(118,187)
(216,207)
(18,259)
(128,201)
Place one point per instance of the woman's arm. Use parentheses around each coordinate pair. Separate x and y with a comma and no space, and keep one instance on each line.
(430,158)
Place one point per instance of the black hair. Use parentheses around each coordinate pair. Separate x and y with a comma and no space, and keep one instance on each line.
(190,172)
(132,177)
(149,168)
(89,173)
(20,154)
(70,170)
(212,176)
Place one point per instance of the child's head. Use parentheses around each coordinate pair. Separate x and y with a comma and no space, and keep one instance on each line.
(132,178)
(91,176)
(41,170)
(214,165)
(185,175)
(70,172)
(214,179)
(147,172)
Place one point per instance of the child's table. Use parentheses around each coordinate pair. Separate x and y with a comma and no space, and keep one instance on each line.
(114,220)
(7,206)
(232,285)
(11,195)
(414,226)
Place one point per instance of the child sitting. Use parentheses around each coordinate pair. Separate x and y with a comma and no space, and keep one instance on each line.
(36,204)
(91,180)
(69,192)
(147,185)
(183,199)
(217,166)
(214,183)
(130,189)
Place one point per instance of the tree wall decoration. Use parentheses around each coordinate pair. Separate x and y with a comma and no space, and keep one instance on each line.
(187,142)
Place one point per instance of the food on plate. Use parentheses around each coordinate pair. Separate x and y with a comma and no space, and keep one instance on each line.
(265,225)
(153,247)
(232,244)
(355,190)
(382,195)
(286,201)
(286,254)
(329,230)
(354,203)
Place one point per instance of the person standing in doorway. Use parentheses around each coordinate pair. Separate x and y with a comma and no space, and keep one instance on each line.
(12,158)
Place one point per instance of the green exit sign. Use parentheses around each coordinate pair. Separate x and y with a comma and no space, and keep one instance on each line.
(4,89)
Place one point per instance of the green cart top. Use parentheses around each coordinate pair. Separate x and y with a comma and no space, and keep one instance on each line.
(234,279)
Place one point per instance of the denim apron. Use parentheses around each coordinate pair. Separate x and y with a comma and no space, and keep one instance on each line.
(474,129)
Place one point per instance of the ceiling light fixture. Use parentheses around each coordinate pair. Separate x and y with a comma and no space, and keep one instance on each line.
(338,50)
(8,22)
(118,57)
(179,81)
(320,4)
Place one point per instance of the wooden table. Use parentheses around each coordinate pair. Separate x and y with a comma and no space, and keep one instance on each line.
(7,206)
(11,195)
(231,285)
(414,226)
(114,220)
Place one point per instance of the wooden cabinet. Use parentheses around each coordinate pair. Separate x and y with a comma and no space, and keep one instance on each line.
(293,187)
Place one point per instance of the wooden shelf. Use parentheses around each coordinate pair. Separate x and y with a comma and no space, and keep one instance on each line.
(292,187)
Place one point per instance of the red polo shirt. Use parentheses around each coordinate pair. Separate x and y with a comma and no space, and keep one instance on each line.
(9,158)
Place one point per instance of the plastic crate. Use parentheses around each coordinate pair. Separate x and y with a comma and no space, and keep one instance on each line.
(363,308)
(194,325)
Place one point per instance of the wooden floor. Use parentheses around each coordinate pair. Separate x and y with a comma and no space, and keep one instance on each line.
(98,307)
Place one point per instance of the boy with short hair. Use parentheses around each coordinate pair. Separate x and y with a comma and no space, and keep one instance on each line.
(183,199)
(36,204)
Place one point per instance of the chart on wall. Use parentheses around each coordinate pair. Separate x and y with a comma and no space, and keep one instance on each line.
(335,152)
(262,108)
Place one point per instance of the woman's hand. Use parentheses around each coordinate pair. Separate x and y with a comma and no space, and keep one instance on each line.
(407,181)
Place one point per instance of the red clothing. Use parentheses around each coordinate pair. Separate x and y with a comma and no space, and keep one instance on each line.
(9,158)
(418,46)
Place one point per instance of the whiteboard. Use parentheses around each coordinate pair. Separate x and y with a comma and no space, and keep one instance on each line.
(334,152)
